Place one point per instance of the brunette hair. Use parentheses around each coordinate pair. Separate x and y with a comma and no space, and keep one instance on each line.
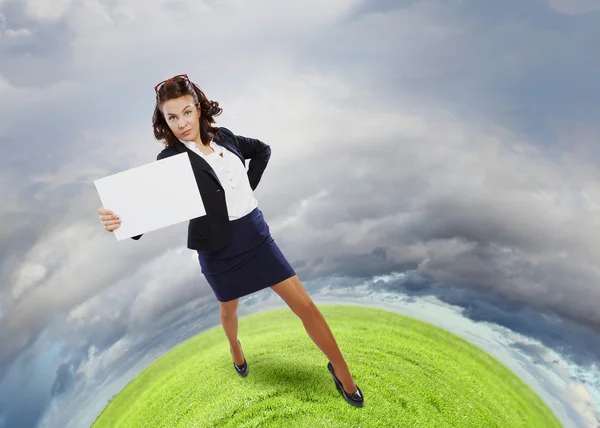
(208,110)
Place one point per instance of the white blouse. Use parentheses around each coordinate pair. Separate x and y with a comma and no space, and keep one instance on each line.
(233,176)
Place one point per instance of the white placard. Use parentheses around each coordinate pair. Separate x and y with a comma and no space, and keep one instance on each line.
(152,196)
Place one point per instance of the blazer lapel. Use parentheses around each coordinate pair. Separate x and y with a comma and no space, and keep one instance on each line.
(197,161)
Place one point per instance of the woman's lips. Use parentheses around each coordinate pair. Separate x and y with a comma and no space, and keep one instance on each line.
(187,132)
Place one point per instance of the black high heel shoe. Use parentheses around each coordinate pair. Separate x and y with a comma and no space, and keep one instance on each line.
(356,399)
(243,369)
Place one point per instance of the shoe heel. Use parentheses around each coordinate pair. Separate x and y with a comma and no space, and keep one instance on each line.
(338,384)
(244,368)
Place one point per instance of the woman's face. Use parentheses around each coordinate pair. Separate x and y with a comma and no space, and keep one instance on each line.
(183,117)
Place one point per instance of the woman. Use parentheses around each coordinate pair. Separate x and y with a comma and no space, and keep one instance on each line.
(236,252)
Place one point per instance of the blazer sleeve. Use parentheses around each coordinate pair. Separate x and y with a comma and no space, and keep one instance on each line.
(160,156)
(259,154)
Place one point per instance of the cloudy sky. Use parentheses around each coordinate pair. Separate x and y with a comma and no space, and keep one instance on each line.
(437,154)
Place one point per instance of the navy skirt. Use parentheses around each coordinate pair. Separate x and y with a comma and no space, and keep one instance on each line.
(251,261)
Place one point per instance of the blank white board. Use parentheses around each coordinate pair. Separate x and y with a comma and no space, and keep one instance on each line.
(152,196)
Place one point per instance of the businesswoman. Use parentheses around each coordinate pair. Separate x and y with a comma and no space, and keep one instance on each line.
(235,249)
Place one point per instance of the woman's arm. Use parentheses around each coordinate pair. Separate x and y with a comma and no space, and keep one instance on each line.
(259,154)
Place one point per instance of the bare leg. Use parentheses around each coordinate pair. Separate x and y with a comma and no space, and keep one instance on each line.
(229,321)
(294,294)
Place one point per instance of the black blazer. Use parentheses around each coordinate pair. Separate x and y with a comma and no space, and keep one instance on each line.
(212,231)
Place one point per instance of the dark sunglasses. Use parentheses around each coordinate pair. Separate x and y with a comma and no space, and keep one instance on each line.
(179,76)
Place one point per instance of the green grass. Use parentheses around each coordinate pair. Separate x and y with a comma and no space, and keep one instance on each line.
(412,374)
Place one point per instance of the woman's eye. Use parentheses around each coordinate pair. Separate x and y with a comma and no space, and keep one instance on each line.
(189,111)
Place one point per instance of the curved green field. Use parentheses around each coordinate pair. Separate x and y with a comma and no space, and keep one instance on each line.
(412,374)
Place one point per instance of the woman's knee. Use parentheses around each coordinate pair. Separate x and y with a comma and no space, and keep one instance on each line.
(306,308)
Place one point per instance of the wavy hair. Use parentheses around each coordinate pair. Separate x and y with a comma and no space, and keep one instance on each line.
(208,110)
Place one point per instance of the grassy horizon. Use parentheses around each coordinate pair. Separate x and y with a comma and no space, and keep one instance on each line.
(411,373)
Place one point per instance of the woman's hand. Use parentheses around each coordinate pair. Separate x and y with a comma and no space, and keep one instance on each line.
(110,220)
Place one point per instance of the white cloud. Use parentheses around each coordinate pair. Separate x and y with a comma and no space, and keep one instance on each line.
(4,84)
(574,7)
(48,9)
(28,277)
(583,401)
(21,32)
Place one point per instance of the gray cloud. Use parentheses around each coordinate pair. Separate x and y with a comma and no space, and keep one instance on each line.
(64,379)
(502,239)
(34,53)
(513,61)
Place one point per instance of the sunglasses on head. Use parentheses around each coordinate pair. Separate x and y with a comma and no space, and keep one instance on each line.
(179,76)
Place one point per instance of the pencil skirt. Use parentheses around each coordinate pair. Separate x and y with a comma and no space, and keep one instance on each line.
(250,262)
